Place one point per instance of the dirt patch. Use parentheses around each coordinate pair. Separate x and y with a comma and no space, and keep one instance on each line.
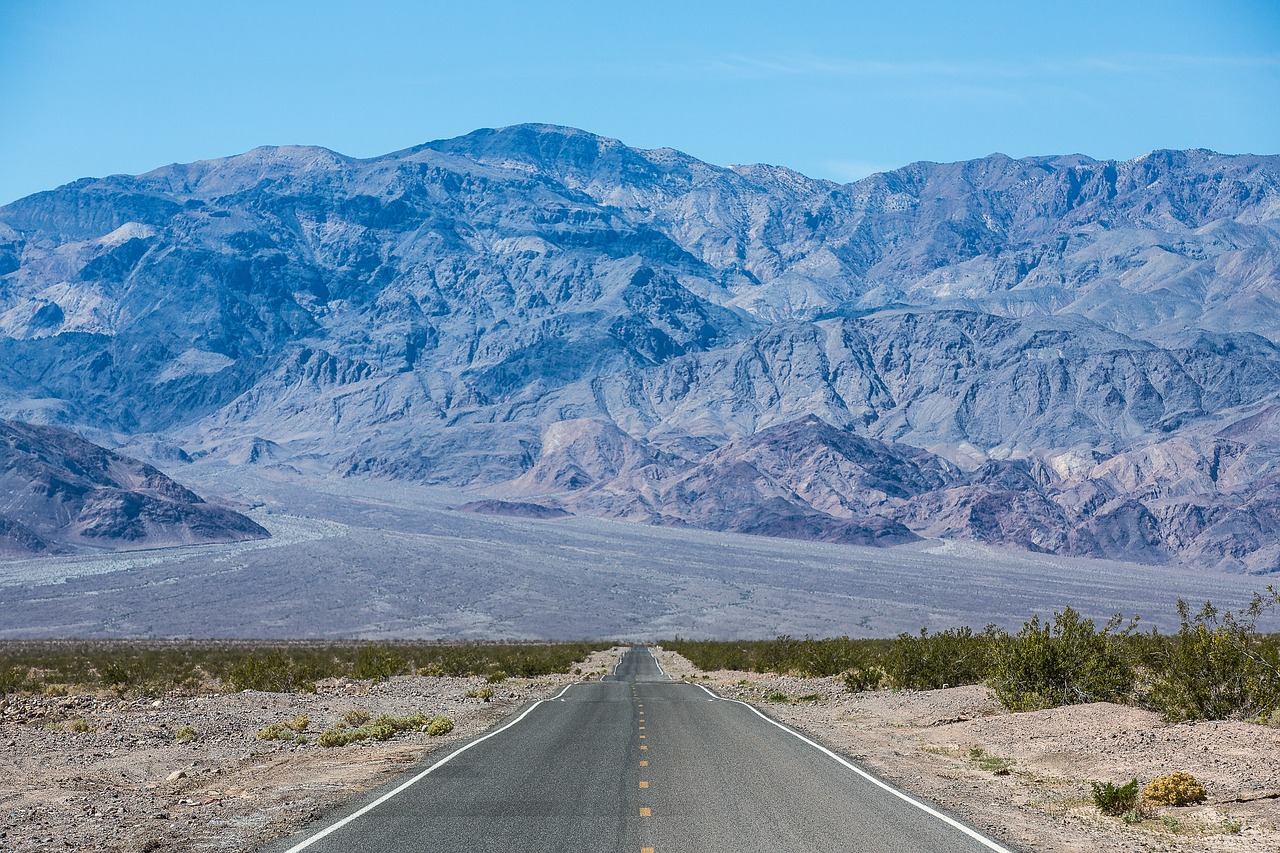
(1024,778)
(102,773)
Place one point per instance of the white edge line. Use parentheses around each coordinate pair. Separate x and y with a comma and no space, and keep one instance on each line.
(972,833)
(346,820)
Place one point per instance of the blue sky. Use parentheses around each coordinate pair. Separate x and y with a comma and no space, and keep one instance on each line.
(834,90)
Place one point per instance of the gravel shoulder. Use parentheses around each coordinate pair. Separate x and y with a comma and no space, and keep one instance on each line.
(125,784)
(1029,784)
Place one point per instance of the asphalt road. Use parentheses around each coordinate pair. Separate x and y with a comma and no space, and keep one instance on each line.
(638,762)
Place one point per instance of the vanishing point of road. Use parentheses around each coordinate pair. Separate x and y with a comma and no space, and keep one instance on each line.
(638,763)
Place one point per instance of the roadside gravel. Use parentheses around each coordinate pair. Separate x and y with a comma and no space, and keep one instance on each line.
(925,742)
(125,784)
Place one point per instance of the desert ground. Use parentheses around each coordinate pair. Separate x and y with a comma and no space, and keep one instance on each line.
(1024,778)
(125,784)
(375,560)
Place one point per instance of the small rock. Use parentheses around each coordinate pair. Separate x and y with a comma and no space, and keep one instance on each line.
(176,775)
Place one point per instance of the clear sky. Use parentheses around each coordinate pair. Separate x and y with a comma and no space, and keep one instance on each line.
(834,89)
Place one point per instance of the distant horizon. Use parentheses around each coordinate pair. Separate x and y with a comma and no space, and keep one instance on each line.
(833,91)
(274,146)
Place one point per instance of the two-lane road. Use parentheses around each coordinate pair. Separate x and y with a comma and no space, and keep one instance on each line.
(638,762)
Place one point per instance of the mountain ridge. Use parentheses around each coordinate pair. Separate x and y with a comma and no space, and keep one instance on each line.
(435,312)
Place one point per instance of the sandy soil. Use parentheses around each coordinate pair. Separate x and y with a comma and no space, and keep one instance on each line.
(128,785)
(923,742)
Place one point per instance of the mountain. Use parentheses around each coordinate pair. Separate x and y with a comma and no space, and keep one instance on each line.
(1056,353)
(64,493)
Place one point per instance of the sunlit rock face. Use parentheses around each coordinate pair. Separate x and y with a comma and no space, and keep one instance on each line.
(62,493)
(1055,353)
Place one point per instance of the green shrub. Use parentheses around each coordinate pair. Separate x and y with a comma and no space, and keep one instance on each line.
(1115,800)
(1064,662)
(341,736)
(485,693)
(185,734)
(275,731)
(996,764)
(777,696)
(299,723)
(948,658)
(497,676)
(378,662)
(271,672)
(785,655)
(13,678)
(384,727)
(356,717)
(79,726)
(1218,666)
(860,679)
(1176,789)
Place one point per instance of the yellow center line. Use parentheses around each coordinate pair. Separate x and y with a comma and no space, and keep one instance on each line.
(644,784)
(642,746)
(646,850)
(646,813)
(644,764)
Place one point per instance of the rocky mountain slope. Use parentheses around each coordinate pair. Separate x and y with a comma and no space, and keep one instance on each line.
(60,492)
(1058,353)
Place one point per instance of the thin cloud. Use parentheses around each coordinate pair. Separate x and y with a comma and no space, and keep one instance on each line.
(814,66)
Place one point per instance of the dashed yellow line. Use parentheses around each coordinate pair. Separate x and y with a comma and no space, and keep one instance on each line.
(644,764)
(644,784)
(646,850)
(646,813)
(642,746)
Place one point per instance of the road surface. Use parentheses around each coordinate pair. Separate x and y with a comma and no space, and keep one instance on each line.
(639,763)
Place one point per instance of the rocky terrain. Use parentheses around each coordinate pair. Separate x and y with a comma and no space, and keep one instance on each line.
(1025,777)
(107,773)
(1066,355)
(59,492)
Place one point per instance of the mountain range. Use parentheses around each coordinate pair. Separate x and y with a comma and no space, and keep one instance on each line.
(1056,353)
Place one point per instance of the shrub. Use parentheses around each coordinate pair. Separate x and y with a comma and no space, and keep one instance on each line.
(944,659)
(12,679)
(275,731)
(485,693)
(378,663)
(1176,789)
(356,717)
(1115,800)
(1064,662)
(860,679)
(184,734)
(299,723)
(79,726)
(1218,667)
(496,677)
(777,696)
(996,764)
(271,672)
(384,727)
(340,736)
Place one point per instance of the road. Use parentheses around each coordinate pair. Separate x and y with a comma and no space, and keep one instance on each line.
(637,762)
